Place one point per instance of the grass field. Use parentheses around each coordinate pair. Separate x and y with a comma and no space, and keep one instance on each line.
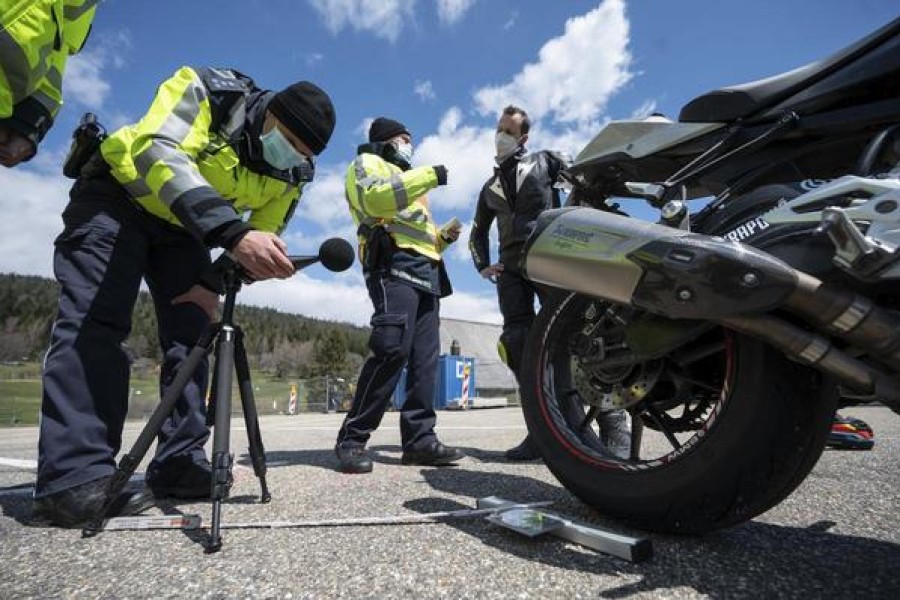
(20,395)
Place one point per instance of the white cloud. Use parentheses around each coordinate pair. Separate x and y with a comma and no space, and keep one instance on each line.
(511,21)
(472,307)
(575,74)
(362,129)
(349,302)
(26,242)
(424,90)
(323,200)
(313,58)
(84,80)
(384,18)
(647,108)
(467,152)
(452,11)
(307,295)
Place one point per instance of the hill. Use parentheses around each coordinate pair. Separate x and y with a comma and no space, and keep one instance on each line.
(279,343)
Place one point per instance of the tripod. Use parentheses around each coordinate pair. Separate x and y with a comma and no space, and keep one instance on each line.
(230,356)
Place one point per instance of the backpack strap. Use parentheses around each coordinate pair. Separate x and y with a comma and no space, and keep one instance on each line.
(228,90)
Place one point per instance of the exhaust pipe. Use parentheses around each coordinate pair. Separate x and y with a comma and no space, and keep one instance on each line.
(670,272)
(819,353)
(684,275)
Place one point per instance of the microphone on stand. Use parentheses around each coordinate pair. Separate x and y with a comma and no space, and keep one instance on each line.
(335,254)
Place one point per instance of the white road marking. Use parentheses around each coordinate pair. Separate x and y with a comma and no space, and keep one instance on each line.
(18,463)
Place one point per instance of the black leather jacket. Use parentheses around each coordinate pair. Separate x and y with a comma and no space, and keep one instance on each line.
(516,210)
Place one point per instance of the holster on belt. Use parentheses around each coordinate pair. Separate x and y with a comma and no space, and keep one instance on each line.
(379,247)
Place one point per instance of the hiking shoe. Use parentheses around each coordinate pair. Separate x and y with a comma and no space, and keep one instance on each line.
(353,459)
(76,506)
(436,455)
(182,478)
(848,433)
(615,432)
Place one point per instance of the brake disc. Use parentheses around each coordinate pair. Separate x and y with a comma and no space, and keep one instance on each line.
(619,387)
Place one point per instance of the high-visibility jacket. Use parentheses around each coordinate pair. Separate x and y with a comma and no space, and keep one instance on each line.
(36,39)
(381,194)
(178,164)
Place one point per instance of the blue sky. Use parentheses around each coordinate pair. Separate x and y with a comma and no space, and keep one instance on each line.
(443,67)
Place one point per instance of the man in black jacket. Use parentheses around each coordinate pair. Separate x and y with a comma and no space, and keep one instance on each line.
(521,188)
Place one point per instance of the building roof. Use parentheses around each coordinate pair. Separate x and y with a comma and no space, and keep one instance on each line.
(480,341)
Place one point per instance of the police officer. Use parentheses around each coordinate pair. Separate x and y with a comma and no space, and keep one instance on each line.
(521,188)
(400,249)
(36,39)
(152,200)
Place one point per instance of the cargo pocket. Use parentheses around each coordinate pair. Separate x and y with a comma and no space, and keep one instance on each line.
(387,334)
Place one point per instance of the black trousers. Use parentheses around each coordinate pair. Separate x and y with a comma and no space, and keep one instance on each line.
(107,246)
(517,295)
(405,331)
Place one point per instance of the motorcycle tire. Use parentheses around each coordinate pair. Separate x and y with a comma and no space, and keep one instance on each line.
(765,434)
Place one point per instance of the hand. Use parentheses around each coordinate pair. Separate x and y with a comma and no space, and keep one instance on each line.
(14,147)
(263,255)
(202,297)
(492,272)
(452,234)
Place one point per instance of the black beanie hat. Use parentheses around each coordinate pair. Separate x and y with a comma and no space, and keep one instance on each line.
(383,129)
(307,112)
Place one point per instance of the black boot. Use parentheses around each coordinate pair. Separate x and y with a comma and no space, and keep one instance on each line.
(182,478)
(524,451)
(75,506)
(436,454)
(353,459)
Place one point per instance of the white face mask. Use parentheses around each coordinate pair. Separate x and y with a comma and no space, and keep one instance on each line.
(506,145)
(278,151)
(405,152)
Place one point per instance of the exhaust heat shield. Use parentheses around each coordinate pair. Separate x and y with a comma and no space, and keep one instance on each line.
(666,271)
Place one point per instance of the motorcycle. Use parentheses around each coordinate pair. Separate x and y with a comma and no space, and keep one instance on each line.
(727,333)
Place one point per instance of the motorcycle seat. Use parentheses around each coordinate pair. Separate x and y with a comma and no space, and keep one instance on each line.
(729,104)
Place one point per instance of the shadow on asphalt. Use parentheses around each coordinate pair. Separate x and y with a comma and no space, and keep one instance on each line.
(383,454)
(744,559)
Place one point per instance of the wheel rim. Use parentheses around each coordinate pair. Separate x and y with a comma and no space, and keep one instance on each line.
(672,403)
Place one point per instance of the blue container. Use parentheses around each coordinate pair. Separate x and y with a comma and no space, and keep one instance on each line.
(451,374)
(398,398)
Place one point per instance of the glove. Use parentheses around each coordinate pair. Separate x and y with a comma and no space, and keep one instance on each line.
(441,172)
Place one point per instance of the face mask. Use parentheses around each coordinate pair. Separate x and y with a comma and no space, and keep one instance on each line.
(278,152)
(506,145)
(405,152)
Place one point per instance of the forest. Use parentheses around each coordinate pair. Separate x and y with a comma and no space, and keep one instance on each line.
(280,344)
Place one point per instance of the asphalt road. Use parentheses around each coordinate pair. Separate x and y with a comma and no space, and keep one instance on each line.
(837,536)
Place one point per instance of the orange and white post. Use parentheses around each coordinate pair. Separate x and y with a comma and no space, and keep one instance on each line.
(464,397)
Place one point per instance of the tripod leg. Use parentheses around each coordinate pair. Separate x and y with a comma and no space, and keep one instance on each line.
(251,417)
(221,458)
(132,459)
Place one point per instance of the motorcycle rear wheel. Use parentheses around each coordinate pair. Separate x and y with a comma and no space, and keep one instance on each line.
(760,436)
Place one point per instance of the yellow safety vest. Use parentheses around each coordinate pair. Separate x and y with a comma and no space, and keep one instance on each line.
(38,36)
(177,169)
(381,194)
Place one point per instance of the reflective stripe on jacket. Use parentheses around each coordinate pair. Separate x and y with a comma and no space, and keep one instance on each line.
(36,39)
(380,193)
(174,166)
